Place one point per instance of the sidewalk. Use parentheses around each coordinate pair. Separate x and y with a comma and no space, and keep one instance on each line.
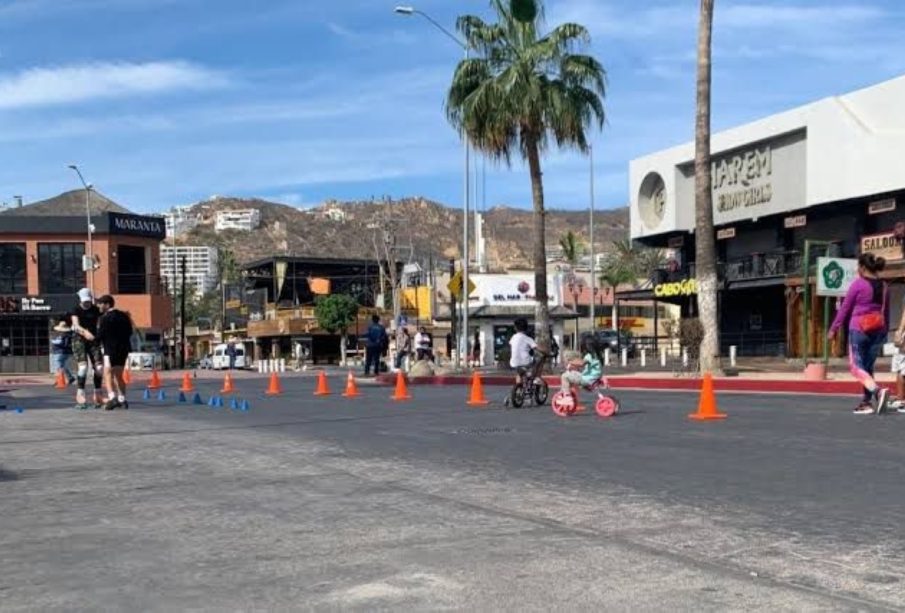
(768,382)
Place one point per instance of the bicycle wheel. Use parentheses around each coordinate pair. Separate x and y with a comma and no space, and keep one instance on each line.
(541,392)
(517,396)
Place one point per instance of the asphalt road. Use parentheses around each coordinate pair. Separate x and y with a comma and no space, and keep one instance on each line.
(310,503)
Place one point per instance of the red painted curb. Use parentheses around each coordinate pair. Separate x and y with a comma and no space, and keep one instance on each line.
(769,386)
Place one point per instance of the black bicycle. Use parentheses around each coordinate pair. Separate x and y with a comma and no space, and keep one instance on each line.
(532,386)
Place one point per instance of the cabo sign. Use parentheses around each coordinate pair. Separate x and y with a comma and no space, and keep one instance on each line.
(687,287)
(743,180)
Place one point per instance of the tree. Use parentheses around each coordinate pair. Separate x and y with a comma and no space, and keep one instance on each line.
(335,313)
(523,89)
(571,248)
(615,272)
(643,261)
(705,248)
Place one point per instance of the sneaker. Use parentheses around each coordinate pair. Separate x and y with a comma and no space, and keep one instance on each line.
(882,400)
(81,406)
(864,408)
(896,404)
(112,404)
(124,404)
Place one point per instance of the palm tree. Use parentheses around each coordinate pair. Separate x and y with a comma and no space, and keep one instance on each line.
(616,272)
(571,248)
(705,249)
(524,89)
(642,261)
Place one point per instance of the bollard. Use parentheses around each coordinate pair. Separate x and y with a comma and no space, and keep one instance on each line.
(282,365)
(260,367)
(273,365)
(732,355)
(663,357)
(643,358)
(685,358)
(624,357)
(606,357)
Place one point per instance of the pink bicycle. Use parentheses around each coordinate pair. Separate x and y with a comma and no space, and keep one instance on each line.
(565,404)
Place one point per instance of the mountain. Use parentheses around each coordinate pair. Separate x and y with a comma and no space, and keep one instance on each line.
(70,203)
(422,229)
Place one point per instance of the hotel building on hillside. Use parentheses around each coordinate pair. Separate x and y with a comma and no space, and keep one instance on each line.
(831,171)
(244,220)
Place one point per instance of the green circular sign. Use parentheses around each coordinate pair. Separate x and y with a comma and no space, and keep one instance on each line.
(833,275)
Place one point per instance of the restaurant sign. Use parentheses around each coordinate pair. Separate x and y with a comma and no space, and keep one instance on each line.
(686,287)
(884,245)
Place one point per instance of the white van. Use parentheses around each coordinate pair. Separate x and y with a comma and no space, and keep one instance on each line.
(220,359)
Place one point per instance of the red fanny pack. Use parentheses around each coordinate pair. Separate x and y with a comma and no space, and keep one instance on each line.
(876,321)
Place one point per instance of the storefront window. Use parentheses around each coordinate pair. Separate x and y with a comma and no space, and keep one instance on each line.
(132,277)
(12,268)
(24,336)
(60,267)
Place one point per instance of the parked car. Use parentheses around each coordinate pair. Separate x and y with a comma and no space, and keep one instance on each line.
(615,341)
(220,361)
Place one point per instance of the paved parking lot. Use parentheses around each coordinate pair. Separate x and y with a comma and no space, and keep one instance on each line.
(310,503)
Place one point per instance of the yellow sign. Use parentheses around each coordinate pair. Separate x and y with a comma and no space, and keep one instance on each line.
(688,287)
(455,286)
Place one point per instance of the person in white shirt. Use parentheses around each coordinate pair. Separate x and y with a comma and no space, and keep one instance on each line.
(520,347)
(423,345)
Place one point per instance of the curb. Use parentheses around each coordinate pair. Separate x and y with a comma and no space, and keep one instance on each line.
(768,386)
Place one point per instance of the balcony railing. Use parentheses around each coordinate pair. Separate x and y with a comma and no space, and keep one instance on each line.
(762,266)
(754,266)
(141,283)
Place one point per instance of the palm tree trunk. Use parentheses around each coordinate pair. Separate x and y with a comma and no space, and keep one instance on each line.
(542,310)
(705,256)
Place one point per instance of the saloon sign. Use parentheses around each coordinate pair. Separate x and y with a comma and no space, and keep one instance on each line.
(884,245)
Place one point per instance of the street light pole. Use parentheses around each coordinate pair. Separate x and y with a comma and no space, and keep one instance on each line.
(463,334)
(90,249)
(593,255)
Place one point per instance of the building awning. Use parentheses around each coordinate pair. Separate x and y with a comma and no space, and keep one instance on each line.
(512,312)
(755,283)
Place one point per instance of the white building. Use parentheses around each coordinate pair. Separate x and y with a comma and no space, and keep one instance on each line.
(826,173)
(240,219)
(180,220)
(200,266)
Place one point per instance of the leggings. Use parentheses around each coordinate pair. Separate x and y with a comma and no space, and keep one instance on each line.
(863,350)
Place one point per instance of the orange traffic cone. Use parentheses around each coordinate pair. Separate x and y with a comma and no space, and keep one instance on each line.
(707,406)
(351,387)
(127,376)
(154,383)
(322,388)
(228,386)
(60,383)
(186,383)
(402,390)
(274,388)
(477,398)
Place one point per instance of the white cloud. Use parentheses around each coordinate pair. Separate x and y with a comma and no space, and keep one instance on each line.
(76,83)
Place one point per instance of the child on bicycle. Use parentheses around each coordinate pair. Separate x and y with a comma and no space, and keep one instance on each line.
(521,347)
(582,370)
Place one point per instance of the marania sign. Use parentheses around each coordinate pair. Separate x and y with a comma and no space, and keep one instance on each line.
(137,225)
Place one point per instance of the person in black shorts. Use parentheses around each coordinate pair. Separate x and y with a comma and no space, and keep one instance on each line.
(114,332)
(83,322)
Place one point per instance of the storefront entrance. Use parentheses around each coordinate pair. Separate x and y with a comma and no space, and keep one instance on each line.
(24,344)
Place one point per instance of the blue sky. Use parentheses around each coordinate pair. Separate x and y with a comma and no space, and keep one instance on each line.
(165,102)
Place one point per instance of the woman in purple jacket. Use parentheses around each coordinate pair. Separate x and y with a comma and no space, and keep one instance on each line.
(866,311)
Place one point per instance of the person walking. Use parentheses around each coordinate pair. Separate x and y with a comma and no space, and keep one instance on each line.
(231,353)
(114,333)
(376,340)
(403,346)
(865,310)
(83,321)
(476,349)
(61,349)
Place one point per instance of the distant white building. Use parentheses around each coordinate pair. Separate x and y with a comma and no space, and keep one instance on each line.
(335,214)
(180,220)
(241,219)
(200,266)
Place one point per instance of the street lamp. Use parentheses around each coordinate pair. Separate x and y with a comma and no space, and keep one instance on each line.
(90,256)
(408,11)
